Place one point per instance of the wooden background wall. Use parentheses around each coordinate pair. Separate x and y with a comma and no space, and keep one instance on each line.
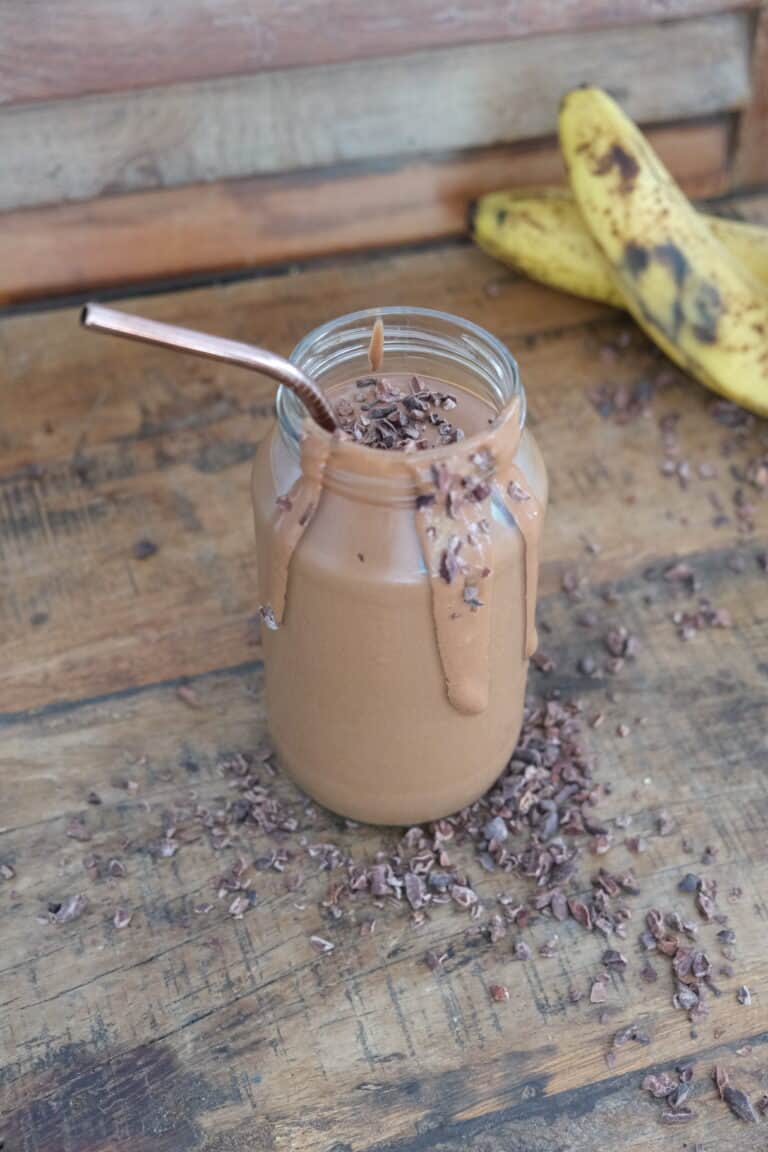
(153,139)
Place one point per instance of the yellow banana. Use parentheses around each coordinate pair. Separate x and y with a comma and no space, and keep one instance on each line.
(540,232)
(679,281)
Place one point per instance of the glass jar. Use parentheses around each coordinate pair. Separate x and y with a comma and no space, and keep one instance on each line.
(365,701)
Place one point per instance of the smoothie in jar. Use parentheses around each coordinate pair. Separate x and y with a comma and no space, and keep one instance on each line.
(398,561)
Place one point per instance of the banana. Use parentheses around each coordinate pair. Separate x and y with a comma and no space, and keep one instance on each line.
(679,281)
(540,232)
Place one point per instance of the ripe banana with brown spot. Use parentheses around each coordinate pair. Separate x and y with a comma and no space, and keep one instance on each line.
(683,286)
(540,231)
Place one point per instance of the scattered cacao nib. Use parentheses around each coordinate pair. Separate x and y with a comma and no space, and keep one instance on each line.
(516,492)
(710,855)
(689,883)
(720,1077)
(144,548)
(320,944)
(499,992)
(449,566)
(678,1116)
(463,896)
(93,798)
(740,1104)
(614,959)
(648,973)
(744,996)
(521,950)
(549,948)
(680,1094)
(543,662)
(7,871)
(434,960)
(679,573)
(705,905)
(620,403)
(620,642)
(633,1032)
(472,598)
(665,825)
(598,993)
(77,829)
(68,910)
(659,1085)
(414,890)
(239,906)
(122,918)
(496,829)
(267,614)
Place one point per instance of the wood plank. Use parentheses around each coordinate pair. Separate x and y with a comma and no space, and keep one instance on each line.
(304,118)
(66,48)
(751,162)
(105,442)
(198,1033)
(231,225)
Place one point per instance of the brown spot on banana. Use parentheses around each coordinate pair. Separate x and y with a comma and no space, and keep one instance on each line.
(697,303)
(628,168)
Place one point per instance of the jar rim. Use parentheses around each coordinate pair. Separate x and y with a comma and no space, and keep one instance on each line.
(290,410)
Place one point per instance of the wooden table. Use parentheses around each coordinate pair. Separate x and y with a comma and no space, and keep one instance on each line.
(187,1031)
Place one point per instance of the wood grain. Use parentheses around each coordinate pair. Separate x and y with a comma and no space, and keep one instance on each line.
(304,118)
(751,162)
(65,48)
(192,1032)
(231,225)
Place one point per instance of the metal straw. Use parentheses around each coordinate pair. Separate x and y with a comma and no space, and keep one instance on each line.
(102,319)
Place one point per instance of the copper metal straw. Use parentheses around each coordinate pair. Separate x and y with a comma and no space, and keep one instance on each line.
(213,348)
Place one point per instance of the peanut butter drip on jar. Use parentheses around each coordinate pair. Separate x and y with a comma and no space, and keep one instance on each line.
(293,513)
(452,519)
(523,507)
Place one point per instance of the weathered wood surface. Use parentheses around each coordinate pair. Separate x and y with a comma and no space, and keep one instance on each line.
(751,164)
(59,48)
(199,1033)
(231,225)
(453,98)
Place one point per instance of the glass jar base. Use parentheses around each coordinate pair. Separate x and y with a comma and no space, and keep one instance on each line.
(367,805)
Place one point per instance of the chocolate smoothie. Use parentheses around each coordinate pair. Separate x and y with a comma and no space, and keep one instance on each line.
(397,568)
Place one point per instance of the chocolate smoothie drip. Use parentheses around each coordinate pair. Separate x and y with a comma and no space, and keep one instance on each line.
(455,497)
(522,506)
(293,513)
(453,521)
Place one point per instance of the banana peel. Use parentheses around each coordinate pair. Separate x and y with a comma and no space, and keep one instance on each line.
(683,286)
(540,232)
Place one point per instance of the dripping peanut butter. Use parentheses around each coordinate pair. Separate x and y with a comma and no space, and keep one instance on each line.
(398,561)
